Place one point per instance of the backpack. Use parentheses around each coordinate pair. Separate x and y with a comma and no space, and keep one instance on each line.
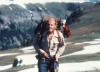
(61,26)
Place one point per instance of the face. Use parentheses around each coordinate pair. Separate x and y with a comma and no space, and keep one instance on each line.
(51,25)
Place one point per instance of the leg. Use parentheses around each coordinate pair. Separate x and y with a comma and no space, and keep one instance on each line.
(54,67)
(42,66)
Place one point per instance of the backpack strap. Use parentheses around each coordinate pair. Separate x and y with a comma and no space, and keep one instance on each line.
(59,39)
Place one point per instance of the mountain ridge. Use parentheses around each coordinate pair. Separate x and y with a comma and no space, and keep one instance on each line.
(17,23)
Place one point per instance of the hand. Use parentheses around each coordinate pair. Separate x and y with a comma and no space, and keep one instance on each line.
(56,58)
(45,54)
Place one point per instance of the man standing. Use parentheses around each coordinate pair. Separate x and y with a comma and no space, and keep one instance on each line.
(50,47)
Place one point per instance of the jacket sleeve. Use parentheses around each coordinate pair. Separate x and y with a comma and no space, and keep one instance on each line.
(36,45)
(61,46)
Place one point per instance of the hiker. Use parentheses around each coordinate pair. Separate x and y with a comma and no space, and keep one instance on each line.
(49,47)
(61,26)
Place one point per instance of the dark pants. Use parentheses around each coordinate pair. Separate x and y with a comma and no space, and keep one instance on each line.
(47,65)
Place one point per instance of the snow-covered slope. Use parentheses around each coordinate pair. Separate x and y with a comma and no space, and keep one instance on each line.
(94,0)
(18,18)
(23,2)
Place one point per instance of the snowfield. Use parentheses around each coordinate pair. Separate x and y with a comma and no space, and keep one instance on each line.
(30,70)
(90,49)
(80,66)
(8,54)
(72,67)
(87,50)
(28,49)
(95,41)
(23,2)
(5,67)
(93,47)
(27,59)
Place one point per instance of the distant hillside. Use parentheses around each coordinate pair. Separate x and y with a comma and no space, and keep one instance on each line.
(88,26)
(17,23)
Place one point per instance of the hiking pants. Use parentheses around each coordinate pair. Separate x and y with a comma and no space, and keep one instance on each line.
(45,65)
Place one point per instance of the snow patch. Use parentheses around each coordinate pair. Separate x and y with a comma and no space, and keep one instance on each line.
(95,41)
(27,59)
(30,70)
(23,2)
(27,49)
(82,66)
(91,49)
(5,67)
(8,54)
(72,67)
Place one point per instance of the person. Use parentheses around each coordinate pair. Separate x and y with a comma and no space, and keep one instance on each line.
(50,47)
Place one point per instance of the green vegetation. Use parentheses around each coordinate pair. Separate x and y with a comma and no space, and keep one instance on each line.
(81,58)
(70,48)
(88,37)
(88,27)
(15,69)
(6,61)
(96,70)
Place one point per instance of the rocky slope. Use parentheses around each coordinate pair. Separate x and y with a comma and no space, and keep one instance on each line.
(17,23)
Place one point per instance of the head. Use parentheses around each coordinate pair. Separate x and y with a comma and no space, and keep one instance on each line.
(52,25)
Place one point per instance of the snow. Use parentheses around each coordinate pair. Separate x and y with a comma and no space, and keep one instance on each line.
(8,54)
(27,59)
(40,8)
(90,49)
(27,49)
(82,66)
(72,67)
(10,8)
(66,67)
(5,67)
(30,70)
(95,41)
(23,2)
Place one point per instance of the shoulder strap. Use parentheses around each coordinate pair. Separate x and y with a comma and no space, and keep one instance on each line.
(59,38)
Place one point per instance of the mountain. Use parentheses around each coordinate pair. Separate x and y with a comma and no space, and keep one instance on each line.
(88,27)
(17,24)
(94,0)
(24,2)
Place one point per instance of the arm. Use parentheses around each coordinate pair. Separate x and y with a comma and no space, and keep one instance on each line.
(61,47)
(38,48)
(36,44)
